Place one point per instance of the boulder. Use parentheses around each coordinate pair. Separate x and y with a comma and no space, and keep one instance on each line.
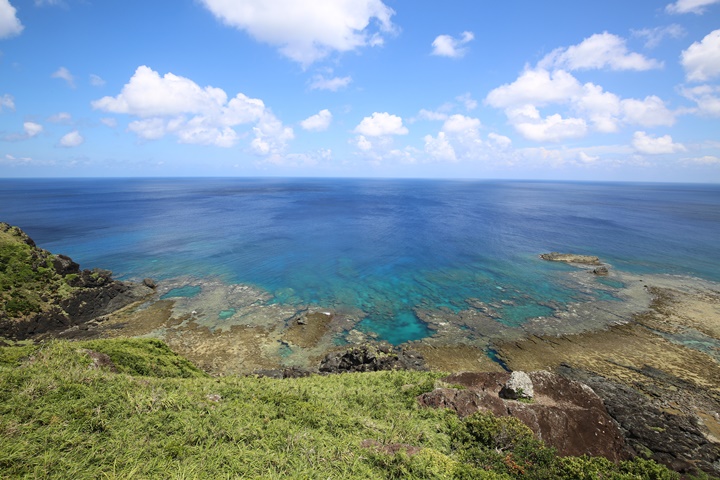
(518,387)
(601,271)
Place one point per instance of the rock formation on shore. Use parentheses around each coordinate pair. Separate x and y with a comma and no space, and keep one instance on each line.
(44,293)
(571,258)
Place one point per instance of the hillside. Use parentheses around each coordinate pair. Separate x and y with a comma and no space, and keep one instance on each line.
(131,408)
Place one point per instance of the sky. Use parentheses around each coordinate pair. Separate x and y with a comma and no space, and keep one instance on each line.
(562,90)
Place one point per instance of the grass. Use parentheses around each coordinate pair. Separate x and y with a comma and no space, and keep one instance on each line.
(159,416)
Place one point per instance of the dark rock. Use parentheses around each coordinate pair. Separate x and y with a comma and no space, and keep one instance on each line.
(674,440)
(65,266)
(150,283)
(564,414)
(372,358)
(601,271)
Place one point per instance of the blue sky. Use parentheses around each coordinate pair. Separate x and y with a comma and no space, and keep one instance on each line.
(567,90)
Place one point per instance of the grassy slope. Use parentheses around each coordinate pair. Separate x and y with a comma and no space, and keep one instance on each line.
(160,417)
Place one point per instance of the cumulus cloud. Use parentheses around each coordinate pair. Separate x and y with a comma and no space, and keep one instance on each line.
(440,148)
(707,98)
(96,80)
(319,82)
(64,74)
(72,139)
(702,59)
(647,144)
(176,105)
(654,36)
(318,122)
(697,7)
(535,86)
(61,117)
(447,46)
(9,23)
(499,140)
(381,124)
(467,101)
(601,50)
(32,129)
(603,111)
(553,128)
(308,31)
(7,101)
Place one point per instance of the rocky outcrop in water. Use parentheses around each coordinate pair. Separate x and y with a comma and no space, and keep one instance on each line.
(565,414)
(571,258)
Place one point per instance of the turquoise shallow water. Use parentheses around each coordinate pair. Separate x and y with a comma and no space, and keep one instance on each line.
(387,247)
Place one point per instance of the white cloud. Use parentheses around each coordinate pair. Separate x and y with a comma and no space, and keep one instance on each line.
(109,122)
(318,122)
(705,160)
(7,101)
(271,136)
(96,80)
(440,148)
(650,112)
(601,50)
(500,140)
(64,74)
(61,117)
(363,143)
(72,139)
(468,102)
(654,36)
(647,144)
(9,23)
(176,105)
(553,128)
(432,115)
(461,125)
(447,46)
(690,6)
(587,159)
(702,59)
(308,31)
(604,111)
(707,98)
(380,124)
(32,129)
(538,87)
(319,82)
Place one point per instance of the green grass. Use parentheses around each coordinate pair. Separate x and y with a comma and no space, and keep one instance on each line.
(28,280)
(160,417)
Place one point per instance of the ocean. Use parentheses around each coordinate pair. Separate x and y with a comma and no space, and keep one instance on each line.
(385,247)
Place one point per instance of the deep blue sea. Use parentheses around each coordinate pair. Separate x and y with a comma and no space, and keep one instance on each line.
(384,246)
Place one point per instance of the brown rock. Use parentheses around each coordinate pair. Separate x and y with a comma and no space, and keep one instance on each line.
(565,414)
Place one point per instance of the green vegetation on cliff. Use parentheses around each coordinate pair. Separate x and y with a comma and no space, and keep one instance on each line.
(29,281)
(131,408)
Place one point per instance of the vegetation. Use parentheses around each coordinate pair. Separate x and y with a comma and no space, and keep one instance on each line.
(29,282)
(151,414)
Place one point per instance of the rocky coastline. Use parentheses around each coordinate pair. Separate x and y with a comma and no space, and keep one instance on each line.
(645,368)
